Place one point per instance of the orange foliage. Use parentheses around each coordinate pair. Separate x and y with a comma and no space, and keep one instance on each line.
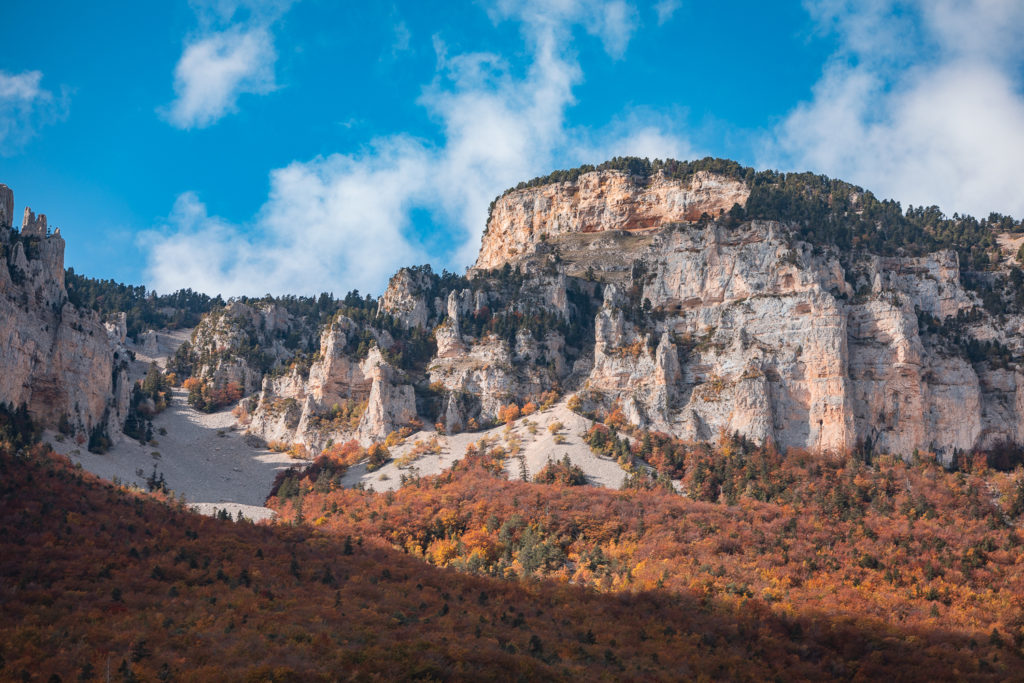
(886,549)
(851,571)
(509,413)
(547,399)
(616,418)
(378,455)
(348,453)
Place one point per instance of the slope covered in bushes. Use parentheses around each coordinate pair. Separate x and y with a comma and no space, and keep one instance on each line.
(93,576)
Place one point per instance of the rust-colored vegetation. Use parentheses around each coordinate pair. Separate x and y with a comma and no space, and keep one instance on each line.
(796,566)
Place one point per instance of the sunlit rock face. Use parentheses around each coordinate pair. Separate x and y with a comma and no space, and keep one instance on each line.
(653,296)
(64,364)
(770,336)
(597,202)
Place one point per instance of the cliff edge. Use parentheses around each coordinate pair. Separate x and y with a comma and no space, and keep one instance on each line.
(64,364)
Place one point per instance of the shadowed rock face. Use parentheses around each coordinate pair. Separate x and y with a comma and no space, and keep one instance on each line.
(64,364)
(6,206)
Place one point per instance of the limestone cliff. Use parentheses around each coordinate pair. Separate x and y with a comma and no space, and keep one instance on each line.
(236,344)
(63,363)
(597,202)
(697,298)
(772,342)
(338,397)
(765,327)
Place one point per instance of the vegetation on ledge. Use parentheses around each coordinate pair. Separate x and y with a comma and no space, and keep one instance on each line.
(143,309)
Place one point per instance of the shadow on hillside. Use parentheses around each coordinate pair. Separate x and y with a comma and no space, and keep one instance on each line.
(170,591)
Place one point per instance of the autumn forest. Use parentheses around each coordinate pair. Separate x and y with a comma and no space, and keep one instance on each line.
(813,567)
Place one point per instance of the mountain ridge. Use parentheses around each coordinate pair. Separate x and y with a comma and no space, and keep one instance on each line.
(642,285)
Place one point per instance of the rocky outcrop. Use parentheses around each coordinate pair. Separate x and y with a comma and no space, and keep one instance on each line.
(6,207)
(406,297)
(239,343)
(64,364)
(642,377)
(597,202)
(338,398)
(390,405)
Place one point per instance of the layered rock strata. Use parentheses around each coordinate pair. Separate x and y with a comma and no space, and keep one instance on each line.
(600,201)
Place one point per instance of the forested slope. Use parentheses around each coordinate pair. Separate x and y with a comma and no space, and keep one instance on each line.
(91,574)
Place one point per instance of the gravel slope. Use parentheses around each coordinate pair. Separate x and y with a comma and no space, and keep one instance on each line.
(201,456)
(536,445)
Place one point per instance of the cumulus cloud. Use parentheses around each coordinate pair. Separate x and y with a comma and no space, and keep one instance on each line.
(214,71)
(335,215)
(923,103)
(231,55)
(25,107)
(345,221)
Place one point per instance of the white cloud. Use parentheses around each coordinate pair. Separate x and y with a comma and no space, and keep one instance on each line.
(219,66)
(25,107)
(205,248)
(923,103)
(639,133)
(615,23)
(214,71)
(23,87)
(325,217)
(612,21)
(665,9)
(344,221)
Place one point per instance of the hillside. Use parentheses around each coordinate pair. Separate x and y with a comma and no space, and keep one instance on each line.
(95,576)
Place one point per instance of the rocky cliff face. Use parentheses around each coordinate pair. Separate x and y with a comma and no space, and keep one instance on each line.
(337,398)
(63,363)
(773,341)
(598,202)
(237,344)
(657,295)
(407,299)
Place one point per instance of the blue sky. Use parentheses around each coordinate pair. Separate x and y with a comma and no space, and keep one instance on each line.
(247,146)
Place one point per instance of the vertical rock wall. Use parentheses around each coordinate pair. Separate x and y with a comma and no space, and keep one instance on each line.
(61,362)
